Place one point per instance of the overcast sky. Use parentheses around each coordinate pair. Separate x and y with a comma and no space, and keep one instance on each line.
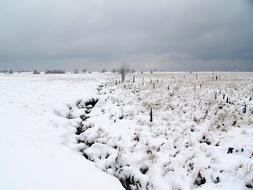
(171,35)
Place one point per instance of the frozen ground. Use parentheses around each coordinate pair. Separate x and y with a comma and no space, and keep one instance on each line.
(34,140)
(200,136)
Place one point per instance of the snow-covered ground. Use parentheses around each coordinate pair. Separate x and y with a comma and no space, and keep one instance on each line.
(35,151)
(200,135)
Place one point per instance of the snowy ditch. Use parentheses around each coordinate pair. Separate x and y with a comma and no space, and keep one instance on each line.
(200,137)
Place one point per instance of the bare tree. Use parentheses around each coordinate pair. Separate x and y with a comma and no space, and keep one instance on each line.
(123,71)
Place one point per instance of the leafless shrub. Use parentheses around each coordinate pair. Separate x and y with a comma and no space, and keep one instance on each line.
(123,70)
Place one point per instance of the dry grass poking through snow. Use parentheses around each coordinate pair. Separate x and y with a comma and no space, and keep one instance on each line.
(201,134)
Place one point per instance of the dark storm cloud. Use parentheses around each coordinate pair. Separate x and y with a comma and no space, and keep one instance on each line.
(164,34)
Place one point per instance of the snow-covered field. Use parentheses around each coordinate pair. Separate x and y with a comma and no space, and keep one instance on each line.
(200,135)
(34,141)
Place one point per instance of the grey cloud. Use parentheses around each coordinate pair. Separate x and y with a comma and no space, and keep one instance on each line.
(166,34)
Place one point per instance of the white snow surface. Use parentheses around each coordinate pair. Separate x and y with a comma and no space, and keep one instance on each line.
(200,137)
(35,136)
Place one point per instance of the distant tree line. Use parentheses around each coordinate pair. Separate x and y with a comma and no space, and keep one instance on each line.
(4,71)
(122,70)
(55,72)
